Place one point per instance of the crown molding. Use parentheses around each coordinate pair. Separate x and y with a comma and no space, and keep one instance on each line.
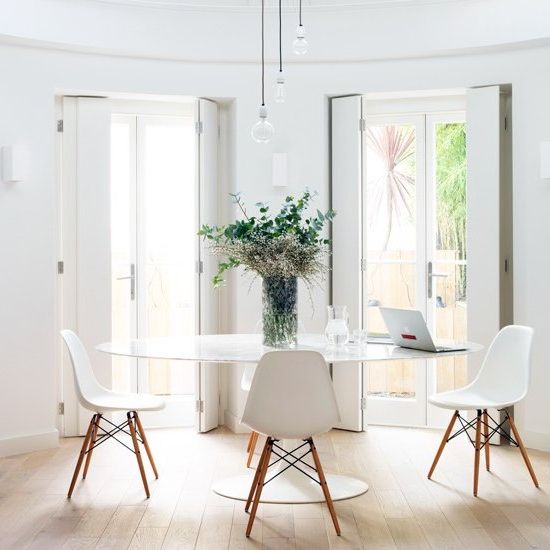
(251,6)
(86,50)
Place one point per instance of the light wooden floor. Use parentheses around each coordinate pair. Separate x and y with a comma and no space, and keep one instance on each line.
(402,509)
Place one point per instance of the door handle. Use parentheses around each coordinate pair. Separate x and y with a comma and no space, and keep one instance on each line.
(431,276)
(132,278)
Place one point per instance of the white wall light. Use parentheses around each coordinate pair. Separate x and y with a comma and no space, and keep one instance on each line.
(545,160)
(13,164)
(280,170)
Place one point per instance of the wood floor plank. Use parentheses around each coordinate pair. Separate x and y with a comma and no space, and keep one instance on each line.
(148,538)
(121,528)
(215,531)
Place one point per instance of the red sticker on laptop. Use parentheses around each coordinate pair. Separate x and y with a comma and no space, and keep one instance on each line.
(408,336)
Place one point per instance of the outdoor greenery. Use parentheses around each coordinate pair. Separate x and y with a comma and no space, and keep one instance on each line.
(451,194)
(284,244)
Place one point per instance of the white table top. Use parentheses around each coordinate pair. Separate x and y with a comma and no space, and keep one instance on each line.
(248,348)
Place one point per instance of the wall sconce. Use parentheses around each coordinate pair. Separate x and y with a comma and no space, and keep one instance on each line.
(13,164)
(545,160)
(280,170)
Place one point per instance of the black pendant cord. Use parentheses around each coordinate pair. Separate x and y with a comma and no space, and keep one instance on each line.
(280,39)
(300,13)
(263,62)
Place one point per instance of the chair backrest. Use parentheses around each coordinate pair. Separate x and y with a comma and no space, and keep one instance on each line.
(291,396)
(504,374)
(87,386)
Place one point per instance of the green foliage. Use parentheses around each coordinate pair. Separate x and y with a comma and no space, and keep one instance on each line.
(451,192)
(290,226)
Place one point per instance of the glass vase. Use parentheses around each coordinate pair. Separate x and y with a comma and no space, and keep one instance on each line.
(279,313)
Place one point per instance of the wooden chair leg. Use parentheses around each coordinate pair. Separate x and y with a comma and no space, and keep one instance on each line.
(324,486)
(443,443)
(477,451)
(138,454)
(486,438)
(91,445)
(250,441)
(522,449)
(254,485)
(146,443)
(251,448)
(260,486)
(81,455)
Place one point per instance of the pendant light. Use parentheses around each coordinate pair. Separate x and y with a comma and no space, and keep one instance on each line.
(300,45)
(280,86)
(263,130)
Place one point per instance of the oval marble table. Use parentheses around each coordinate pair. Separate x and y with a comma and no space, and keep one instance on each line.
(290,486)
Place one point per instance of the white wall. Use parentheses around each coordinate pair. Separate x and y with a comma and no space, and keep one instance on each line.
(28,216)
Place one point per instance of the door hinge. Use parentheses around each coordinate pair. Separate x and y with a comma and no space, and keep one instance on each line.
(59,125)
(363,264)
(363,403)
(199,406)
(60,267)
(362,124)
(199,128)
(61,408)
(505,123)
(506,265)
(200,266)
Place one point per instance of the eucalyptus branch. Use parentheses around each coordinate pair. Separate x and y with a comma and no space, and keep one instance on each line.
(286,244)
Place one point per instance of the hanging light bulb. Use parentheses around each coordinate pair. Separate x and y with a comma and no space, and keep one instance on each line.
(263,130)
(280,85)
(280,88)
(300,45)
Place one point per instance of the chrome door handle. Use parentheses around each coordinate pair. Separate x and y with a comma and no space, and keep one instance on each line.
(431,276)
(132,278)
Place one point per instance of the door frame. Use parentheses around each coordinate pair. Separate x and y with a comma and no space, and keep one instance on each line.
(70,412)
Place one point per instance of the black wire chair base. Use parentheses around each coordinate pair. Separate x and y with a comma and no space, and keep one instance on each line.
(496,428)
(111,434)
(292,463)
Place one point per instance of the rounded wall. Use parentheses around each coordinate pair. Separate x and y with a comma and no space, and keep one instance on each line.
(372,29)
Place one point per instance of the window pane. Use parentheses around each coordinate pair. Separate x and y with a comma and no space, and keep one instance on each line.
(170,240)
(121,306)
(450,255)
(391,181)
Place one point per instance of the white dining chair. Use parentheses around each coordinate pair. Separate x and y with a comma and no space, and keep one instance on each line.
(100,400)
(502,381)
(291,397)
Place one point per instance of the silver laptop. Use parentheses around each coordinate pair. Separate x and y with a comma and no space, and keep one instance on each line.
(408,329)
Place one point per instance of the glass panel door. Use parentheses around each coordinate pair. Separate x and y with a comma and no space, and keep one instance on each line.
(447,300)
(154,250)
(394,248)
(167,246)
(414,241)
(123,252)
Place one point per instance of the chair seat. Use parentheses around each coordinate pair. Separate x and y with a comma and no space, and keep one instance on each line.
(111,401)
(466,399)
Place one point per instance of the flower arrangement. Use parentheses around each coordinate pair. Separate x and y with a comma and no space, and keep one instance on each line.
(279,248)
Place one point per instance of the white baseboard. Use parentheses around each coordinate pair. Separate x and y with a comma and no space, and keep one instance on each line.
(233,423)
(28,443)
(535,440)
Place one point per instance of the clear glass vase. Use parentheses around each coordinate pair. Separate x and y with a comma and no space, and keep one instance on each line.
(279,313)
